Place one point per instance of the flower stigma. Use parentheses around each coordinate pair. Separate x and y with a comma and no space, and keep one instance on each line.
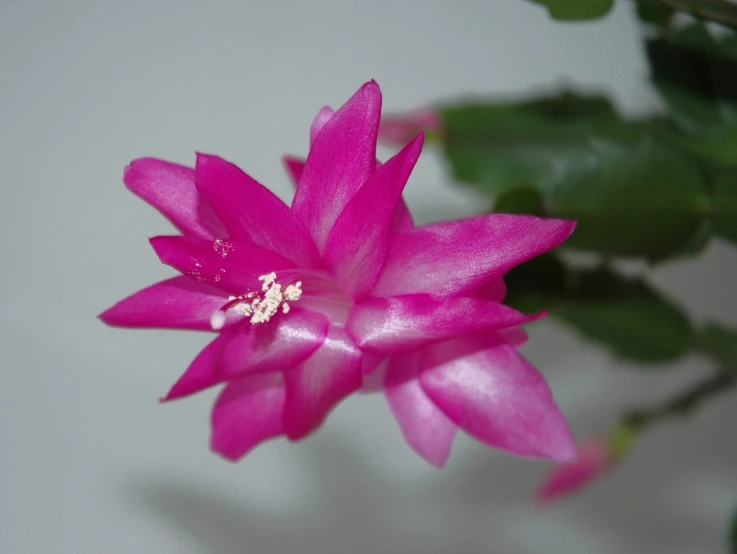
(260,307)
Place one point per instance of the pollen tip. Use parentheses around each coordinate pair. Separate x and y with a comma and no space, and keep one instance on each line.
(217,320)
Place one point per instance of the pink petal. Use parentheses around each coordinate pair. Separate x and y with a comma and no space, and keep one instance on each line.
(251,212)
(178,303)
(402,218)
(342,157)
(514,336)
(496,396)
(357,245)
(170,188)
(374,371)
(316,386)
(294,167)
(401,323)
(494,290)
(247,413)
(425,427)
(398,129)
(595,458)
(455,256)
(278,345)
(322,117)
(231,266)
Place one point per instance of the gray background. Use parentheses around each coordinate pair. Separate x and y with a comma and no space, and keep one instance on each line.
(91,463)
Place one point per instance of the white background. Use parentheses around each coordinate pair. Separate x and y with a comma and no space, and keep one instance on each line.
(91,463)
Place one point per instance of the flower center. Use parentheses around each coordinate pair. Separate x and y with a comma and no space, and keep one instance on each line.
(260,307)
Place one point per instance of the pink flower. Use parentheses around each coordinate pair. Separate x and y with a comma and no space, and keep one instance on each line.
(596,457)
(398,129)
(315,301)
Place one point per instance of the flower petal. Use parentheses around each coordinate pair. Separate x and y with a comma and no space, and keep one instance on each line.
(170,188)
(456,256)
(595,459)
(425,427)
(178,303)
(340,160)
(294,168)
(279,345)
(316,386)
(357,245)
(402,218)
(496,396)
(322,117)
(401,323)
(231,266)
(251,212)
(247,413)
(495,290)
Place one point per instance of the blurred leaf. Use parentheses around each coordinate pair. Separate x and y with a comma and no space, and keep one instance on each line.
(520,201)
(695,75)
(632,193)
(626,316)
(694,245)
(537,284)
(720,11)
(721,343)
(653,12)
(630,199)
(498,146)
(576,9)
(725,204)
(733,534)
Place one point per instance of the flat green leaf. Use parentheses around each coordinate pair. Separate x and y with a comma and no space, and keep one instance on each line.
(500,146)
(636,198)
(626,316)
(574,10)
(725,204)
(720,342)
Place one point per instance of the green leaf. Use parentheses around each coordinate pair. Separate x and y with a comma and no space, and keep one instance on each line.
(626,316)
(636,198)
(719,11)
(499,146)
(520,201)
(725,204)
(653,12)
(733,534)
(574,10)
(694,73)
(719,342)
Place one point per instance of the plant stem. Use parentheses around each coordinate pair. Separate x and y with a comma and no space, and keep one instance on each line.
(683,402)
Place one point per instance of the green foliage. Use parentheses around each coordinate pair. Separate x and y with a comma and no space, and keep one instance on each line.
(625,315)
(654,12)
(719,342)
(573,10)
(733,534)
(628,184)
(634,198)
(695,75)
(719,11)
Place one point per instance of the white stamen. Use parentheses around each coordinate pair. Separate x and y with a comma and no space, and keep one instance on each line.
(217,321)
(260,308)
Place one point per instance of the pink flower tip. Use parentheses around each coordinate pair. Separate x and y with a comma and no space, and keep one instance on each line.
(399,129)
(595,459)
